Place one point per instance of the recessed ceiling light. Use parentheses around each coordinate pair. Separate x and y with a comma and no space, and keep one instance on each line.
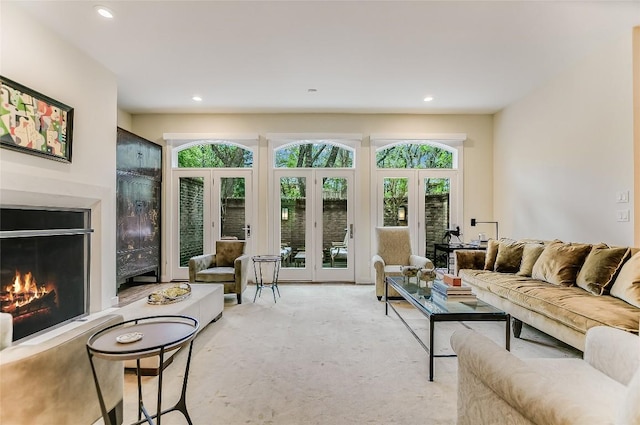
(428,98)
(312,90)
(197,98)
(104,12)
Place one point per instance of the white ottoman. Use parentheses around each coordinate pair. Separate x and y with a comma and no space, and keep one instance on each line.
(205,304)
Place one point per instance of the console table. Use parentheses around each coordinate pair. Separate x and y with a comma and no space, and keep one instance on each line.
(140,338)
(447,249)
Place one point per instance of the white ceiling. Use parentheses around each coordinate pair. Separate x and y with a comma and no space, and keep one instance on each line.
(361,56)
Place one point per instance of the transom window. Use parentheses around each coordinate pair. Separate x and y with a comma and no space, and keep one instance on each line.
(413,155)
(215,155)
(313,155)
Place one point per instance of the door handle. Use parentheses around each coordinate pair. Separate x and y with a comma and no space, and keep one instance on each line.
(351,231)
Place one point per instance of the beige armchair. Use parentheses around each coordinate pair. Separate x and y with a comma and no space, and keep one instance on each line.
(394,251)
(229,266)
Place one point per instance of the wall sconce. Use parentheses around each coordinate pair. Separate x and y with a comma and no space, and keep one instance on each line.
(474,222)
(402,213)
(285,213)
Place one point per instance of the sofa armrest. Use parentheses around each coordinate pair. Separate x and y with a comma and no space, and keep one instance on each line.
(468,259)
(54,376)
(198,263)
(614,352)
(518,389)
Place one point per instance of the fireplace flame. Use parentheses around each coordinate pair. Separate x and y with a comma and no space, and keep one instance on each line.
(23,291)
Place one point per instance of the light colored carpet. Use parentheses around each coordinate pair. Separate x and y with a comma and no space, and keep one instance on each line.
(324,354)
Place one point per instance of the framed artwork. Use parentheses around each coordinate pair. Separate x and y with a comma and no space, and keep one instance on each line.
(34,123)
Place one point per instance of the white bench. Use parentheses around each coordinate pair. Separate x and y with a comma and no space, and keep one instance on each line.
(205,304)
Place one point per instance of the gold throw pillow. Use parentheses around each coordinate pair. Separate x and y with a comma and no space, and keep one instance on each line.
(530,254)
(560,262)
(600,267)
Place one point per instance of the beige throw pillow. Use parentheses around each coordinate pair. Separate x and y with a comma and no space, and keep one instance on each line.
(560,262)
(627,284)
(600,267)
(530,254)
(509,256)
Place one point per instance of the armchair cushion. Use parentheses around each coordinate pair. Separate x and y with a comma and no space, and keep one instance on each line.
(227,251)
(394,244)
(216,275)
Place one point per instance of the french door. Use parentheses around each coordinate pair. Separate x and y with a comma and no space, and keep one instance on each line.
(209,205)
(427,201)
(314,224)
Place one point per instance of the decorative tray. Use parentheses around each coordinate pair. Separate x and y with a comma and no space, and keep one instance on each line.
(170,295)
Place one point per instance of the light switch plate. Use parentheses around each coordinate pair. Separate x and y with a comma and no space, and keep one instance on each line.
(622,215)
(622,196)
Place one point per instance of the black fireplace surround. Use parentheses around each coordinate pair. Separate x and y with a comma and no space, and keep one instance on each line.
(44,267)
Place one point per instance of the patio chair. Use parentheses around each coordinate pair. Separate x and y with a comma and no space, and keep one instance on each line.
(339,250)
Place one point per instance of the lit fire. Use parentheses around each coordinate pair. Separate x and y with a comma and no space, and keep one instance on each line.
(24,291)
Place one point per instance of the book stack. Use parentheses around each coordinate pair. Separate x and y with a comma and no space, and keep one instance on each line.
(443,293)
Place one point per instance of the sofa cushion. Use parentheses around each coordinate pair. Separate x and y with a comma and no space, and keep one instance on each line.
(627,284)
(227,251)
(509,256)
(571,306)
(560,262)
(600,267)
(492,254)
(530,254)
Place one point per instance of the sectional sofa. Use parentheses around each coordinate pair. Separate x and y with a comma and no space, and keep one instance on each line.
(562,289)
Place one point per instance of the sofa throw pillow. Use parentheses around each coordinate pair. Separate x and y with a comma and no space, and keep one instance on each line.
(627,283)
(530,254)
(491,254)
(600,267)
(560,262)
(227,252)
(509,256)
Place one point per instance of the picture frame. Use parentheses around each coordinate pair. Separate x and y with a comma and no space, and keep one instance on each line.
(33,123)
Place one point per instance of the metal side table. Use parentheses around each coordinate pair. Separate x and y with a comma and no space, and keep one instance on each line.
(139,338)
(258,262)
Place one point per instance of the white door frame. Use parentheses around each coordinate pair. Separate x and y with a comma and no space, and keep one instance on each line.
(211,217)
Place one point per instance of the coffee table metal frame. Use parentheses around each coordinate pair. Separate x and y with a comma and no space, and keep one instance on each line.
(169,332)
(436,314)
(258,261)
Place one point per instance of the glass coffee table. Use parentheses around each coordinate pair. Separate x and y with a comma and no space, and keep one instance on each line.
(420,298)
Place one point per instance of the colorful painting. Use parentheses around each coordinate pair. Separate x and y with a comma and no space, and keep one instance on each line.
(34,123)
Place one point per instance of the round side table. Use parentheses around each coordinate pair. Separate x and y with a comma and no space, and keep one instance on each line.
(258,261)
(139,338)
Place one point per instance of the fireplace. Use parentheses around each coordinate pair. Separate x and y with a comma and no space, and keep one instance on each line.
(44,267)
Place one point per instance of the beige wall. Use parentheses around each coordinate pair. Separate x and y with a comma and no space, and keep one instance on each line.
(636,130)
(477,157)
(563,152)
(125,120)
(38,59)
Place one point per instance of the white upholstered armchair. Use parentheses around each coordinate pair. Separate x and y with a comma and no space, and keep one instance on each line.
(394,251)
